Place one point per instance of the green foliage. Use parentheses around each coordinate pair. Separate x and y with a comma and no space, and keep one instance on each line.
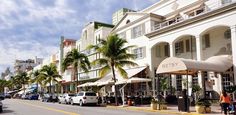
(78,61)
(115,55)
(49,74)
(203,102)
(196,88)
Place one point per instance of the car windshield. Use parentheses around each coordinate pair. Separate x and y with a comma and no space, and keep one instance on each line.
(90,94)
(71,94)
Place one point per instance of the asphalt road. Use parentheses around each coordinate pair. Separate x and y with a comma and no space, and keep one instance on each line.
(26,107)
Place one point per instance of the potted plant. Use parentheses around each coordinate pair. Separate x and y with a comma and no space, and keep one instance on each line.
(203,106)
(161,105)
(154,104)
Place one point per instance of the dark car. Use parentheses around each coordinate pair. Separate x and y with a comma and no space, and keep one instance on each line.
(33,96)
(2,97)
(49,98)
(7,95)
(1,106)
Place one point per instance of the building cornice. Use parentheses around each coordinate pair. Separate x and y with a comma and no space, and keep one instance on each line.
(193,20)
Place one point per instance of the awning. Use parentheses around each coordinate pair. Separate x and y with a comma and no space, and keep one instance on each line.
(108,79)
(87,84)
(176,65)
(133,80)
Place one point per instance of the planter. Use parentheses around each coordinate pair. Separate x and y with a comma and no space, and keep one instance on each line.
(200,109)
(154,106)
(161,106)
(208,109)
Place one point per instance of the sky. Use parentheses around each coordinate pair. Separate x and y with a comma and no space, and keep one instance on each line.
(30,28)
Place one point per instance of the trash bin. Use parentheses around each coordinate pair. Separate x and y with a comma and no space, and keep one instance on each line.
(183,102)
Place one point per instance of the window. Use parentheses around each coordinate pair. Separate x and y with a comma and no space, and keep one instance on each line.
(166,49)
(158,51)
(187,43)
(226,1)
(206,41)
(179,47)
(178,82)
(139,52)
(227,34)
(195,79)
(138,31)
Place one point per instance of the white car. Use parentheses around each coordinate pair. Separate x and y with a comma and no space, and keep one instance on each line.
(84,97)
(1,106)
(65,98)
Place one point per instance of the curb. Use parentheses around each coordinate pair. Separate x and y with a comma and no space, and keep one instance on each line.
(149,110)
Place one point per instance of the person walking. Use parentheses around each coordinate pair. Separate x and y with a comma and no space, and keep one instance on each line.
(225,101)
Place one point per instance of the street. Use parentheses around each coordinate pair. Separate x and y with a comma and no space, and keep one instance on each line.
(26,107)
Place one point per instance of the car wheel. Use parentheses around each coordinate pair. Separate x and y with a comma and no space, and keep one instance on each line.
(80,103)
(72,102)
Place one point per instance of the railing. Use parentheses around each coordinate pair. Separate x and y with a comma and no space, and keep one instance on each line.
(194,14)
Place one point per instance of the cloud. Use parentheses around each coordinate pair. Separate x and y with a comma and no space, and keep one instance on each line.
(32,28)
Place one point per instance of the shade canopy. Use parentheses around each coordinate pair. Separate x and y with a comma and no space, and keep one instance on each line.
(176,65)
(133,80)
(108,79)
(87,84)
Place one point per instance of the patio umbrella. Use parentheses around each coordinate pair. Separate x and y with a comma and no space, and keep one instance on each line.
(87,84)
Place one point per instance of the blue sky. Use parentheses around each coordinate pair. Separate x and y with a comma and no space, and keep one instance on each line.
(30,28)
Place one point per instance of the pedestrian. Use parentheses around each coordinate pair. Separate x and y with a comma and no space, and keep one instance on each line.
(225,101)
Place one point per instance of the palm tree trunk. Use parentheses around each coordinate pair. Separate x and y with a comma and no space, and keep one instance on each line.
(114,77)
(50,86)
(77,80)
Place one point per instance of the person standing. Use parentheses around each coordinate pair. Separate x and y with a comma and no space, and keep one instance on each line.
(225,101)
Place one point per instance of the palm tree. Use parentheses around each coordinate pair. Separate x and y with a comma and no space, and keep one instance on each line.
(49,74)
(115,56)
(78,61)
(36,78)
(22,79)
(3,83)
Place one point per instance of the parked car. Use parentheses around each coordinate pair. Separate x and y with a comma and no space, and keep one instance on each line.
(50,98)
(65,98)
(7,95)
(84,97)
(1,106)
(2,97)
(68,98)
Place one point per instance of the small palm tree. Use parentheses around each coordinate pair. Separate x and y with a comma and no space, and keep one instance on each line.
(22,79)
(49,74)
(115,56)
(78,61)
(3,83)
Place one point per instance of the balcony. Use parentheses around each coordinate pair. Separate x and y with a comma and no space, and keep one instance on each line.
(189,15)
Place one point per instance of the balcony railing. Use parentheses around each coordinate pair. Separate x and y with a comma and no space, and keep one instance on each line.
(194,13)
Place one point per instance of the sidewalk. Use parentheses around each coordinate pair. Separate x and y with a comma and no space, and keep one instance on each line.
(171,109)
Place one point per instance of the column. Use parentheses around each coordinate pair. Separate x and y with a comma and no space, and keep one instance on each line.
(151,68)
(199,57)
(233,45)
(173,77)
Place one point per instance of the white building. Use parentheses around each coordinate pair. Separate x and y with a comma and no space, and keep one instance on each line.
(194,29)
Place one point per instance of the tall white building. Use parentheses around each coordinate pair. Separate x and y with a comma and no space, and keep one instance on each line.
(196,30)
(118,15)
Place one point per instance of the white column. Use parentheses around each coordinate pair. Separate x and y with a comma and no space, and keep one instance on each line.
(151,67)
(173,77)
(233,44)
(199,57)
